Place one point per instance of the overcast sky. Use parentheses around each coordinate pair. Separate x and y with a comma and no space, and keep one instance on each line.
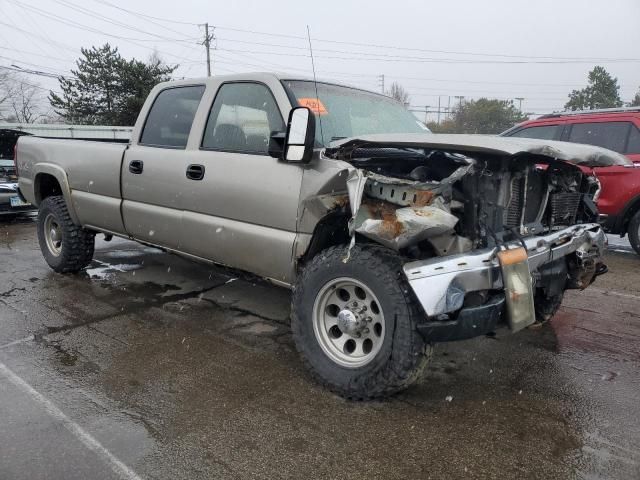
(495,48)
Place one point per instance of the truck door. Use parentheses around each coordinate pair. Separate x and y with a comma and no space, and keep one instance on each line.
(153,172)
(241,206)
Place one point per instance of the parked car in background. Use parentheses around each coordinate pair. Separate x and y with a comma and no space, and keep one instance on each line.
(10,202)
(616,129)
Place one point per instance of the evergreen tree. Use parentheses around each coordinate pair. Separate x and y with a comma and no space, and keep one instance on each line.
(603,91)
(107,89)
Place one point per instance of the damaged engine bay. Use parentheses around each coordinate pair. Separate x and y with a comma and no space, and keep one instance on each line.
(428,203)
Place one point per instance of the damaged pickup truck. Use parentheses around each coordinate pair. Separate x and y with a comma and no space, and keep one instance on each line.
(391,238)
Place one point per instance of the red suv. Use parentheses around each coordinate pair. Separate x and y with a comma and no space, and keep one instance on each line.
(616,129)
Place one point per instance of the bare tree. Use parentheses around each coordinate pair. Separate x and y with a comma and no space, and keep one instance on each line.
(20,100)
(5,92)
(398,93)
(26,103)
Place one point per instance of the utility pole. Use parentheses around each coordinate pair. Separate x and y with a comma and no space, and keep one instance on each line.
(438,109)
(207,45)
(520,99)
(460,98)
(449,107)
(426,114)
(381,82)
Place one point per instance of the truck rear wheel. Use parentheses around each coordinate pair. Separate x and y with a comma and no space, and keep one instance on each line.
(65,246)
(634,232)
(354,322)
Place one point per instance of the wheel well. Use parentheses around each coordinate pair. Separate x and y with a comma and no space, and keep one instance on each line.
(46,185)
(331,230)
(632,208)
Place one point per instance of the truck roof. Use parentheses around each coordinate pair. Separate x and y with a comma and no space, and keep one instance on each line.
(258,77)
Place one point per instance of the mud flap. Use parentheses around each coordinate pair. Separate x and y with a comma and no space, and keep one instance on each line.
(518,287)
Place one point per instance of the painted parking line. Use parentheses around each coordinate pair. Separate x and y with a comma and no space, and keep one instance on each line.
(17,342)
(119,468)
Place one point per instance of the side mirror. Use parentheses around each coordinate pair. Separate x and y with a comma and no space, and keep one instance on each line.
(300,136)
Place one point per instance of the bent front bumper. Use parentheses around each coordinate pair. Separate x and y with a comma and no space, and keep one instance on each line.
(441,284)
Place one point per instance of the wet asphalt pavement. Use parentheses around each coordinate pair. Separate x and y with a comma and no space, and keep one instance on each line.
(150,366)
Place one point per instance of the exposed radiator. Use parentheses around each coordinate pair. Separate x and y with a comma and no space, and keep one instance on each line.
(564,208)
(513,213)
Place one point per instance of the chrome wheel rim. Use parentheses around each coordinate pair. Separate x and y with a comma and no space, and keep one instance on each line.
(348,322)
(53,235)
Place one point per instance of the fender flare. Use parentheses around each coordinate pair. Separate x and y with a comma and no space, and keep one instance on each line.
(61,176)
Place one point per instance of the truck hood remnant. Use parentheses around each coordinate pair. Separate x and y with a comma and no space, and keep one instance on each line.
(584,155)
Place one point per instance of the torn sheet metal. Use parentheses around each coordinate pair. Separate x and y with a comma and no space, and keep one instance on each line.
(355,186)
(400,227)
(423,214)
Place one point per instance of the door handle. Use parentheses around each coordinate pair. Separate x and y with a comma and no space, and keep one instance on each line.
(136,166)
(195,172)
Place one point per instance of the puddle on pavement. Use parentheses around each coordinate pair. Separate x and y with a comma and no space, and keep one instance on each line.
(107,271)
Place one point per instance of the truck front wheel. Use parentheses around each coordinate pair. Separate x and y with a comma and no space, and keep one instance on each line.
(65,246)
(354,322)
(634,232)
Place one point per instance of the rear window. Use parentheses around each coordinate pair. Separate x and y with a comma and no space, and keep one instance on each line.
(543,132)
(611,135)
(169,121)
(634,140)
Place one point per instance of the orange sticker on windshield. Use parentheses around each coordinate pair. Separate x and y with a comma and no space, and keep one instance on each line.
(313,104)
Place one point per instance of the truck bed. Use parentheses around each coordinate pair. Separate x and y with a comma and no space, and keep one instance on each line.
(88,171)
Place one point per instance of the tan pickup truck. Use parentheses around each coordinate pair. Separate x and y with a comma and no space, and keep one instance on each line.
(390,237)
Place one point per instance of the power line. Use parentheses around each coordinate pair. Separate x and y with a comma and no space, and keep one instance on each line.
(82,27)
(106,19)
(54,75)
(424,50)
(71,23)
(396,56)
(430,59)
(142,15)
(26,32)
(35,54)
(27,83)
(49,43)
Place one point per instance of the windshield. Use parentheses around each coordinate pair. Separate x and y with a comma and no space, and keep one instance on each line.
(348,112)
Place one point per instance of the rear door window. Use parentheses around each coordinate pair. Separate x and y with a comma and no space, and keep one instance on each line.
(611,135)
(634,140)
(543,132)
(169,120)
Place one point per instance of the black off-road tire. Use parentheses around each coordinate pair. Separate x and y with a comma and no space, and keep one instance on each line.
(77,244)
(633,230)
(403,354)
